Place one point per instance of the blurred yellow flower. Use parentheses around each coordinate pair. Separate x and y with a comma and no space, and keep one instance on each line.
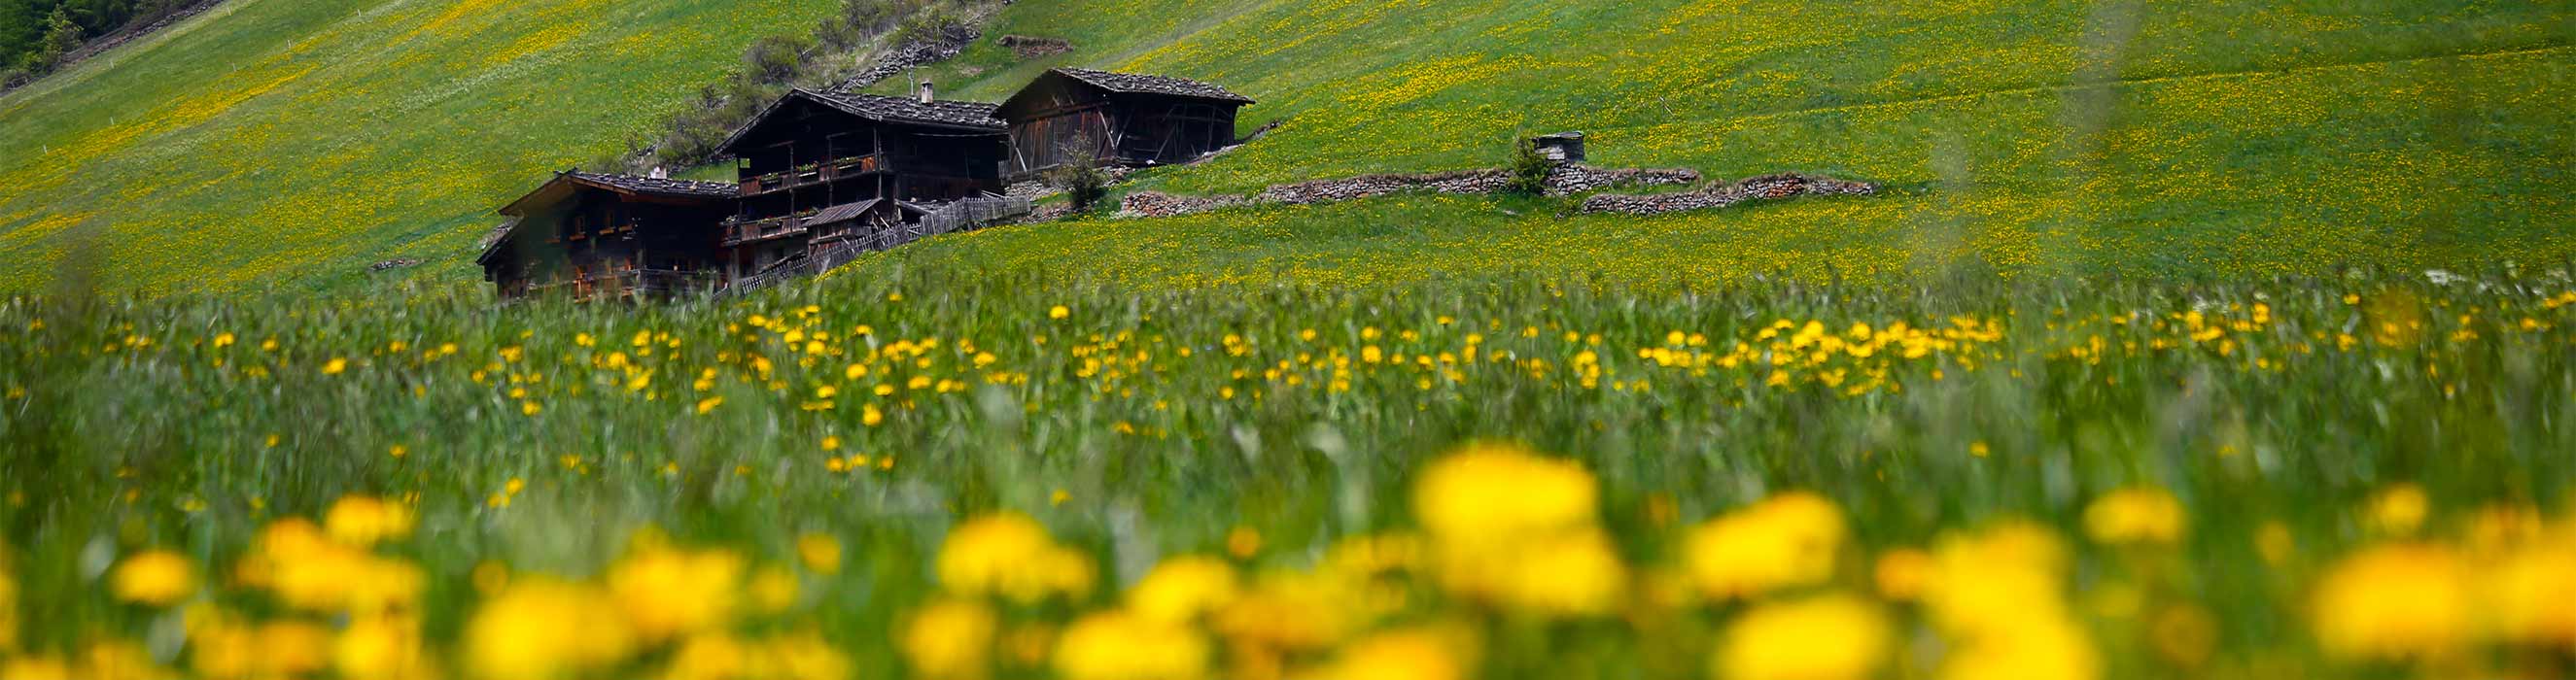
(335,366)
(1409,654)
(310,570)
(1903,574)
(2398,510)
(1566,573)
(381,647)
(1009,555)
(1824,637)
(2395,601)
(8,608)
(666,591)
(2532,595)
(1181,589)
(951,639)
(2135,516)
(155,577)
(364,520)
(1517,529)
(35,668)
(2043,647)
(820,553)
(1059,312)
(1783,541)
(1117,645)
(1488,494)
(774,589)
(540,628)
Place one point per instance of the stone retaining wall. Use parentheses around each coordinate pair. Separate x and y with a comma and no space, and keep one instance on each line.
(1562,181)
(1782,185)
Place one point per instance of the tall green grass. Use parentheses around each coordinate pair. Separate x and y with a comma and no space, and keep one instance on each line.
(1156,423)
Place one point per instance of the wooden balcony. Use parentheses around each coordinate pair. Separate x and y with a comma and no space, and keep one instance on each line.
(814,174)
(738,231)
(629,283)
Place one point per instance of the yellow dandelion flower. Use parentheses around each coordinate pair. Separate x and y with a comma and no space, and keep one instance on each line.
(1181,589)
(1825,637)
(1117,645)
(154,577)
(364,520)
(2135,516)
(1009,555)
(2394,602)
(540,628)
(666,592)
(820,553)
(950,639)
(1784,541)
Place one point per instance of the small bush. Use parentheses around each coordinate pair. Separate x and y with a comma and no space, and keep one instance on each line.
(775,59)
(1529,170)
(940,23)
(1080,177)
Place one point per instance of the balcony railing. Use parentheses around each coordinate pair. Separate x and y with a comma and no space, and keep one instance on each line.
(738,230)
(811,174)
(633,282)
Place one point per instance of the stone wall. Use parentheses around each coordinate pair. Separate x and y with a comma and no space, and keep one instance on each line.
(1564,181)
(1782,185)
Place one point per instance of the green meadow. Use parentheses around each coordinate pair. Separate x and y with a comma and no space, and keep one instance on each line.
(2230,340)
(2148,138)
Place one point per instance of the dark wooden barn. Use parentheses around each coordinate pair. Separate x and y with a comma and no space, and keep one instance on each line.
(811,152)
(592,235)
(1116,118)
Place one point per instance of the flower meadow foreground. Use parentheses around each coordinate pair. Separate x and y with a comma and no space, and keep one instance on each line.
(2363,476)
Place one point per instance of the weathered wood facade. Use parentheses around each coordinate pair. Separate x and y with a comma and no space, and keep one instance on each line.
(807,160)
(1115,118)
(592,235)
(823,176)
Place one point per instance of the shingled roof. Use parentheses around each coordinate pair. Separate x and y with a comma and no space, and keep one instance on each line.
(967,116)
(623,184)
(657,185)
(972,115)
(1139,83)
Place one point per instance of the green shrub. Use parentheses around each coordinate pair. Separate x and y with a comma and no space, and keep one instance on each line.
(1529,170)
(775,59)
(1080,177)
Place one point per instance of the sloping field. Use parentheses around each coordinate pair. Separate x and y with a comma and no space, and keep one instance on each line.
(2236,138)
(297,141)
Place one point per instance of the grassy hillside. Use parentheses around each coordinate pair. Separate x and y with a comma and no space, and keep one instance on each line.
(2164,137)
(297,141)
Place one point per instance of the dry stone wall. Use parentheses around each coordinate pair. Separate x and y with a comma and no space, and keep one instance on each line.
(1781,185)
(1566,180)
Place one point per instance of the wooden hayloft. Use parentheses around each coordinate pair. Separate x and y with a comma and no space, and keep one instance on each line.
(1115,118)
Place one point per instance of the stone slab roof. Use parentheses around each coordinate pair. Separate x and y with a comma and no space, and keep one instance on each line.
(1138,83)
(658,185)
(971,115)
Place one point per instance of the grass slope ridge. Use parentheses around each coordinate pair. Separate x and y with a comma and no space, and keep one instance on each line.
(300,140)
(2233,137)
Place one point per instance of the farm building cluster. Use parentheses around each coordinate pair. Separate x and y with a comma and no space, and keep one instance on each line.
(825,175)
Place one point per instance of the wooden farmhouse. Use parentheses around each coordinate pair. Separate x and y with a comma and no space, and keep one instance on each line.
(826,163)
(592,235)
(1117,118)
(825,175)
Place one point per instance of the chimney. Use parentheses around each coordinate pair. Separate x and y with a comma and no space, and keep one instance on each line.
(926,92)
